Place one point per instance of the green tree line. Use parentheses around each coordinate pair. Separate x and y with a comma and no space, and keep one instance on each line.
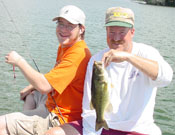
(161,2)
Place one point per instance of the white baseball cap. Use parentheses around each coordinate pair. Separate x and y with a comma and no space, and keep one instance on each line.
(72,14)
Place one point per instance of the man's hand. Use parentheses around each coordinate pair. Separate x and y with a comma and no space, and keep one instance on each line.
(114,56)
(13,58)
(26,91)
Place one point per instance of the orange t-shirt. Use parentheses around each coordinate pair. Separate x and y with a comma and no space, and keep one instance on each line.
(67,79)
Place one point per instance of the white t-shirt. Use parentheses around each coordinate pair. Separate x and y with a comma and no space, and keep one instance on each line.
(132,95)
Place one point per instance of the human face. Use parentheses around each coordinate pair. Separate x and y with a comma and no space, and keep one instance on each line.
(120,38)
(67,33)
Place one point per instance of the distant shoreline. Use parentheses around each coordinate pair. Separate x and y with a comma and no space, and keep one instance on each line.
(170,3)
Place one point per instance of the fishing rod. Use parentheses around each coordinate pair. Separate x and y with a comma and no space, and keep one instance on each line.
(13,22)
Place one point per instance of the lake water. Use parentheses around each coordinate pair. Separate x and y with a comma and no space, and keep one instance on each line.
(154,25)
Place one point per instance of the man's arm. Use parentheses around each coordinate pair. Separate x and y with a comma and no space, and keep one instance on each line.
(149,67)
(36,79)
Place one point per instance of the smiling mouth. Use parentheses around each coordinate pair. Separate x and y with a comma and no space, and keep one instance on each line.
(62,35)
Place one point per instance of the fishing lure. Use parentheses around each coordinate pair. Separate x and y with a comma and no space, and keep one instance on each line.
(14,71)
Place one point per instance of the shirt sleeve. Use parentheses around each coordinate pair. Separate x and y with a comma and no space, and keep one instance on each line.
(62,75)
(165,72)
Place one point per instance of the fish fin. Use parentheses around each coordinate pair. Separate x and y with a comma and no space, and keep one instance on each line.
(101,124)
(91,106)
(109,108)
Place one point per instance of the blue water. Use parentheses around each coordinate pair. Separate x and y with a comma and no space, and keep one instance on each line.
(154,25)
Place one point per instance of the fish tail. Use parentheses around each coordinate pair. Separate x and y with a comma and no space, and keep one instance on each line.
(101,124)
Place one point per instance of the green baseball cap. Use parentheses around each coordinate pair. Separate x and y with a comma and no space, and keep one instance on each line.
(118,16)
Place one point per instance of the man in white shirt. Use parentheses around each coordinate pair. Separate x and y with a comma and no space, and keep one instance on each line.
(135,71)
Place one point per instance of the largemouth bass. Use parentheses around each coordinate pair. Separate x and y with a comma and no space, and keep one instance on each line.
(99,94)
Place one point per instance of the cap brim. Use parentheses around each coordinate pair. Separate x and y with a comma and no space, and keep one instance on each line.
(65,17)
(55,19)
(118,23)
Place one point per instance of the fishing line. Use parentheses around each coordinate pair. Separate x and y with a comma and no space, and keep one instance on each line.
(19,34)
(11,19)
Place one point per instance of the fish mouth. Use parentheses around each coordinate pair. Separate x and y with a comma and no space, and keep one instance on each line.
(99,64)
